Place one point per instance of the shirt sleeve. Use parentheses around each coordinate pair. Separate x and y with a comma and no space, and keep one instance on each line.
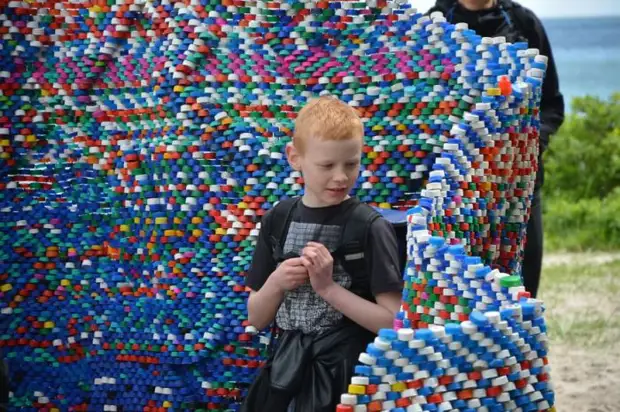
(385,274)
(262,259)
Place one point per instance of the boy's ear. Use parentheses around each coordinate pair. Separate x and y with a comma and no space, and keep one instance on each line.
(293,156)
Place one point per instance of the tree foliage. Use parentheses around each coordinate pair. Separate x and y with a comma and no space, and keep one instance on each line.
(583,158)
(582,178)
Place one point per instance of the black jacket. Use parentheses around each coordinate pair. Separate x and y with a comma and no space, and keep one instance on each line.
(492,22)
(314,370)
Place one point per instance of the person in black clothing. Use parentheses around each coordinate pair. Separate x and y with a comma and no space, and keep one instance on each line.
(507,18)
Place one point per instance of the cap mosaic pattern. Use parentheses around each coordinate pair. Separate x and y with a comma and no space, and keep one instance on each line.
(141,142)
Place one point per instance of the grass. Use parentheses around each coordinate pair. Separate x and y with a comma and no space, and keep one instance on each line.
(584,239)
(581,225)
(582,303)
(581,240)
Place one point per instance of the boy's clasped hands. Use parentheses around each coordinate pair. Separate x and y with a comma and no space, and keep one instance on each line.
(315,264)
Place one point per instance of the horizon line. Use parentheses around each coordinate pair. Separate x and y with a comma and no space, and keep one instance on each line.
(574,16)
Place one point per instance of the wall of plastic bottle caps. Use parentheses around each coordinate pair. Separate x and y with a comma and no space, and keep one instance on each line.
(141,142)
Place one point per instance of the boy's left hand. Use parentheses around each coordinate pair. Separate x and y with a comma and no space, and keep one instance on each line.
(320,264)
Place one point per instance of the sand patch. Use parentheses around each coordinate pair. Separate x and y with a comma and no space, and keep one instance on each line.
(585,380)
(581,293)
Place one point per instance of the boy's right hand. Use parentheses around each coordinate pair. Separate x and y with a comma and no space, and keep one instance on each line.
(290,275)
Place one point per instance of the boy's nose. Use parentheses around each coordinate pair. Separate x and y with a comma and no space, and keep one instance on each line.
(340,177)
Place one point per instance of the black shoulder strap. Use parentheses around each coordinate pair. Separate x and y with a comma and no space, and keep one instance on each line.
(354,235)
(352,251)
(517,14)
(280,221)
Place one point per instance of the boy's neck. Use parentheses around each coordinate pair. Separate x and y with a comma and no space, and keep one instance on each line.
(310,202)
(474,5)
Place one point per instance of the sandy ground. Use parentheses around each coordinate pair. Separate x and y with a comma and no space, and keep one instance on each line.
(585,371)
(585,380)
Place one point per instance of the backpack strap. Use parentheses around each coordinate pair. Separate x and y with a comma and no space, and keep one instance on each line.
(515,15)
(352,250)
(281,216)
(354,233)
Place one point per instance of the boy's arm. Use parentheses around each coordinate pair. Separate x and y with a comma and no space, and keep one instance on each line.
(385,280)
(263,305)
(369,315)
(264,298)
(268,282)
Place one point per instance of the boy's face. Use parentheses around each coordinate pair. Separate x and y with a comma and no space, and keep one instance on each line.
(329,168)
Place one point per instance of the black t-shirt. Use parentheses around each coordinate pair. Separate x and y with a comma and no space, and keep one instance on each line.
(303,309)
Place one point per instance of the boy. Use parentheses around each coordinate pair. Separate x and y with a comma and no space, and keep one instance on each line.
(327,315)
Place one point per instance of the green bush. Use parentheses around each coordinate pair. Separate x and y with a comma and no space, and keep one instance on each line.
(586,224)
(582,178)
(583,158)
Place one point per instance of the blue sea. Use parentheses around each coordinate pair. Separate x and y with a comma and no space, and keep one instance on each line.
(587,55)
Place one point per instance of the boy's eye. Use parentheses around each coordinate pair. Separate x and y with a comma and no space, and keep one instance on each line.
(348,165)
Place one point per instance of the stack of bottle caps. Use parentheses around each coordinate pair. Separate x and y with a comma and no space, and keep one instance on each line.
(467,338)
(142,141)
(495,361)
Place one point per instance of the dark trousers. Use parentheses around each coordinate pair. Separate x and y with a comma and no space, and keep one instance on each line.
(532,258)
(4,386)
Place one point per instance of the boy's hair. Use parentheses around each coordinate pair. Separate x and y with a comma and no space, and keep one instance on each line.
(326,118)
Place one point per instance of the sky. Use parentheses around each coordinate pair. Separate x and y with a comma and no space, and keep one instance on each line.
(555,8)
